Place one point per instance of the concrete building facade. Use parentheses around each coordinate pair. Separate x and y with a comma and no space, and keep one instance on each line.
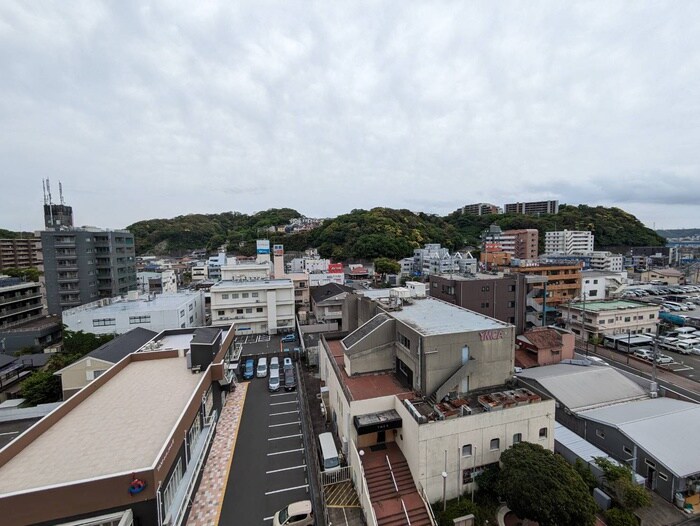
(20,253)
(532,208)
(568,242)
(480,209)
(609,318)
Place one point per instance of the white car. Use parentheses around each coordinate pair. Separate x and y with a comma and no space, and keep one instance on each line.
(695,351)
(644,354)
(663,359)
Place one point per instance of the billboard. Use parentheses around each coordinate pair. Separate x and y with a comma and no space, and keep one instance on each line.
(263,246)
(278,250)
(335,268)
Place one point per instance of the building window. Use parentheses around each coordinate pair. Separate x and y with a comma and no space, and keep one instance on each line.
(404,341)
(627,450)
(182,313)
(249,311)
(224,296)
(191,307)
(485,289)
(467,450)
(244,295)
(543,432)
(592,293)
(239,311)
(191,319)
(171,488)
(511,288)
(254,294)
(651,316)
(517,438)
(104,322)
(234,296)
(259,309)
(627,318)
(495,444)
(663,476)
(650,463)
(511,304)
(484,304)
(139,319)
(220,312)
(600,433)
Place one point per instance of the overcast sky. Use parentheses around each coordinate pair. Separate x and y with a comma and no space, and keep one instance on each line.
(157,110)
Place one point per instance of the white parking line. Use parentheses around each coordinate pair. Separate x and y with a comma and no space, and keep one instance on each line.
(285,452)
(297,422)
(288,436)
(286,469)
(284,413)
(283,394)
(269,518)
(286,489)
(9,433)
(282,403)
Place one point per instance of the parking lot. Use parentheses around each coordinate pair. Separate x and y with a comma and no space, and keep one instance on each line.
(269,468)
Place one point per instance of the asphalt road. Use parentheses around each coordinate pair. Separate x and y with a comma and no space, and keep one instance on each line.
(269,463)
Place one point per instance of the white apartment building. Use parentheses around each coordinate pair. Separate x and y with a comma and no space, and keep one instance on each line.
(308,264)
(317,279)
(163,282)
(608,318)
(434,259)
(200,272)
(240,271)
(602,260)
(156,312)
(255,306)
(568,242)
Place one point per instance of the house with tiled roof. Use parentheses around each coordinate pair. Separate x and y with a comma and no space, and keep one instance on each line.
(543,346)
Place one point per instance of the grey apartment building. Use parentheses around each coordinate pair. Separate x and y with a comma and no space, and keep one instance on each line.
(532,208)
(19,253)
(85,264)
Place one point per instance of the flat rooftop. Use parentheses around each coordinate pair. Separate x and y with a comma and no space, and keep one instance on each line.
(160,302)
(175,341)
(601,306)
(252,283)
(97,437)
(366,386)
(432,317)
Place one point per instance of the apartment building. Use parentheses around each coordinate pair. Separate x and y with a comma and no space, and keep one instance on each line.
(256,306)
(521,244)
(480,209)
(157,312)
(533,208)
(562,283)
(157,282)
(23,320)
(568,242)
(129,447)
(20,253)
(300,280)
(82,265)
(501,297)
(600,285)
(435,259)
(609,318)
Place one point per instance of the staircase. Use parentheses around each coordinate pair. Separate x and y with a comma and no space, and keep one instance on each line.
(393,494)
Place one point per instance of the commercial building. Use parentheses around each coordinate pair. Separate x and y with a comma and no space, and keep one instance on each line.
(82,265)
(127,447)
(23,320)
(416,377)
(501,297)
(568,242)
(480,209)
(609,318)
(157,312)
(20,253)
(533,208)
(257,306)
(663,276)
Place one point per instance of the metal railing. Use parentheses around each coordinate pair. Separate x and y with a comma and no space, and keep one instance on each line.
(405,512)
(426,502)
(335,477)
(391,472)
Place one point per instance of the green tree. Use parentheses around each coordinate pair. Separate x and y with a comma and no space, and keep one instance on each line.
(27,274)
(619,483)
(41,387)
(541,486)
(586,474)
(620,517)
(386,266)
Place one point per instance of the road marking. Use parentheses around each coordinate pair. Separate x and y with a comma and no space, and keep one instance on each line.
(285,413)
(686,368)
(269,518)
(287,451)
(283,394)
(286,489)
(282,403)
(298,422)
(9,433)
(288,436)
(286,469)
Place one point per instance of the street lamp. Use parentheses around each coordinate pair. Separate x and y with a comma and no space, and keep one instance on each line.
(444,490)
(473,470)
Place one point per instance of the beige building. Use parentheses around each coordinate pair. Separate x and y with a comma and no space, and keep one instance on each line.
(609,318)
(667,276)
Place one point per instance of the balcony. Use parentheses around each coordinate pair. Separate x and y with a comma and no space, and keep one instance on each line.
(21,297)
(21,308)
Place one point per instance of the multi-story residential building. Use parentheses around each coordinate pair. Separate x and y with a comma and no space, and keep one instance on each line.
(480,209)
(500,297)
(214,265)
(199,272)
(609,318)
(20,253)
(23,320)
(327,302)
(434,259)
(157,282)
(82,265)
(257,306)
(603,260)
(132,442)
(561,282)
(568,242)
(533,208)
(600,285)
(417,377)
(521,244)
(179,310)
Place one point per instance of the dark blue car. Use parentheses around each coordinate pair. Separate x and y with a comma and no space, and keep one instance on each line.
(289,338)
(249,369)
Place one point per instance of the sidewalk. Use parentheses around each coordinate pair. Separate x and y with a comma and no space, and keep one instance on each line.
(206,504)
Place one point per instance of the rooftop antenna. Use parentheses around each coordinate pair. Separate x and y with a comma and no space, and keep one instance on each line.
(60,192)
(48,190)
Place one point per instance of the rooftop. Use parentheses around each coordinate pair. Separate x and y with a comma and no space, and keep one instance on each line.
(432,317)
(116,349)
(143,304)
(366,386)
(251,284)
(96,438)
(581,387)
(601,306)
(655,425)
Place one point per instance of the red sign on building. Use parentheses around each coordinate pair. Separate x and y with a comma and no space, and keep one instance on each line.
(335,268)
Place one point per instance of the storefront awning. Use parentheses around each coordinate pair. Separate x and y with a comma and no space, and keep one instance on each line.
(373,422)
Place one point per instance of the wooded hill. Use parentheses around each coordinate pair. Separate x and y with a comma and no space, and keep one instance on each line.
(380,232)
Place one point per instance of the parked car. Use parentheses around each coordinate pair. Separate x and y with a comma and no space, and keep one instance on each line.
(289,338)
(273,382)
(249,369)
(296,514)
(663,359)
(262,368)
(274,364)
(290,379)
(644,354)
(695,351)
(287,362)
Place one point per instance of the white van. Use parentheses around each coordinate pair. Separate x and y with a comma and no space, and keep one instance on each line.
(686,346)
(262,368)
(330,461)
(274,364)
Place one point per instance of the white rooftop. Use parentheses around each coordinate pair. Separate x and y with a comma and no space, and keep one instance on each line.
(96,438)
(655,425)
(167,301)
(581,387)
(175,341)
(430,317)
(252,284)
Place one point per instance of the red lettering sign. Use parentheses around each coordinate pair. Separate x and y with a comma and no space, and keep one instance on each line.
(491,335)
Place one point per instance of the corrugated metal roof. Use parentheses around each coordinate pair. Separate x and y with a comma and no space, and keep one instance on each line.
(431,316)
(663,427)
(576,444)
(581,387)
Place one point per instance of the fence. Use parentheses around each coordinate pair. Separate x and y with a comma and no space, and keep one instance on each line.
(334,477)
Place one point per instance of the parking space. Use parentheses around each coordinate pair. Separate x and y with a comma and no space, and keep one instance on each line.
(269,468)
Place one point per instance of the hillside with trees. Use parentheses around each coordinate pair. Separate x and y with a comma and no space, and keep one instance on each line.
(679,232)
